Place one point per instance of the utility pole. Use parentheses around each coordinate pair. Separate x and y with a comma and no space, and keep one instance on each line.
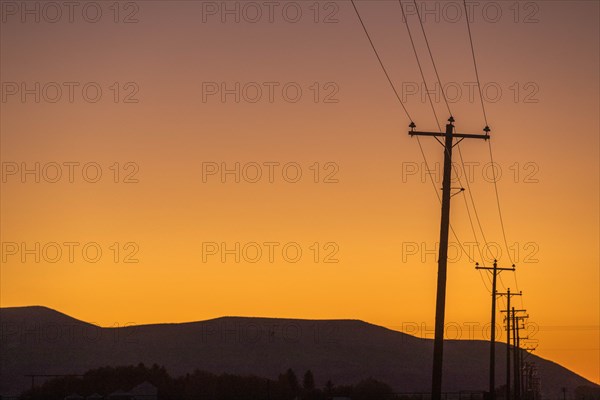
(515,354)
(440,304)
(495,271)
(534,381)
(517,319)
(508,295)
(528,388)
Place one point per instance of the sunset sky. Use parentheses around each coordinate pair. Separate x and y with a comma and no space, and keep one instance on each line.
(294,88)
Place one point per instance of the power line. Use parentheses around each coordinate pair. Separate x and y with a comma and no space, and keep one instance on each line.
(433,110)
(486,243)
(475,63)
(486,129)
(404,107)
(431,55)
(440,129)
(440,300)
(474,209)
(462,162)
(425,159)
(478,248)
(498,202)
(440,200)
(502,219)
(489,146)
(472,227)
(380,61)
(420,68)
(477,218)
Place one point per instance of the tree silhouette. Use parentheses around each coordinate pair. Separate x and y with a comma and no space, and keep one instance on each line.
(329,387)
(370,389)
(289,383)
(308,383)
(208,386)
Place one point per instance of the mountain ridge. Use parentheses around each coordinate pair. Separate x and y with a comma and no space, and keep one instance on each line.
(51,311)
(38,339)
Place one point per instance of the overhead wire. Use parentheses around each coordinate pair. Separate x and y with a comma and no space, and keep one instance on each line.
(475,63)
(439,127)
(450,112)
(437,121)
(490,148)
(387,75)
(431,56)
(405,110)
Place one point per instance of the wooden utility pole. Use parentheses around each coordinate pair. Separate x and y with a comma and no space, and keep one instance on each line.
(518,355)
(508,295)
(495,271)
(515,355)
(528,389)
(512,315)
(440,305)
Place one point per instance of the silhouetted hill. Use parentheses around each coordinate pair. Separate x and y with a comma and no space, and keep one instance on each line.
(38,340)
(38,315)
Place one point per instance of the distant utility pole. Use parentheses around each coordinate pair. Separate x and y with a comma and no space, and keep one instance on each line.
(533,380)
(527,372)
(516,351)
(526,379)
(440,305)
(518,358)
(508,295)
(495,271)
(515,355)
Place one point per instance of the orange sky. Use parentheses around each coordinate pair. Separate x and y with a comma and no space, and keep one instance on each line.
(369,207)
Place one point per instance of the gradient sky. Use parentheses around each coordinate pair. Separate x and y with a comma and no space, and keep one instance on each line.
(543,56)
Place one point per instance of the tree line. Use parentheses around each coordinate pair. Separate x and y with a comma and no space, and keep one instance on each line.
(205,385)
